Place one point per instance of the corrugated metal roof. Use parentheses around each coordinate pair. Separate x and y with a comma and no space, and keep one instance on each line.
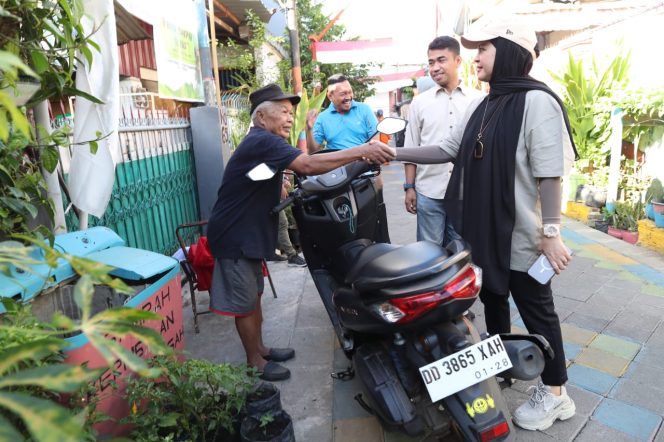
(239,7)
(127,26)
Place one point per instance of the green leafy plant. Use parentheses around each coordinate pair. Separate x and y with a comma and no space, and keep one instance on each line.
(643,115)
(265,420)
(47,35)
(46,365)
(22,188)
(194,400)
(32,375)
(626,215)
(655,192)
(11,65)
(249,59)
(584,90)
(303,107)
(40,41)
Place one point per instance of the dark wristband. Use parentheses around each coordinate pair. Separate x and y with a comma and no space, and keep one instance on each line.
(407,186)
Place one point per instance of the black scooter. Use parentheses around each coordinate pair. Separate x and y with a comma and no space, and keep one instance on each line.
(398,312)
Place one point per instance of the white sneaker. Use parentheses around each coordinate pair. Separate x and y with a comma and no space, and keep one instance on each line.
(543,408)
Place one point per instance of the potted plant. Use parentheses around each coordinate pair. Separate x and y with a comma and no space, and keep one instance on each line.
(194,400)
(263,398)
(633,214)
(270,427)
(619,219)
(655,197)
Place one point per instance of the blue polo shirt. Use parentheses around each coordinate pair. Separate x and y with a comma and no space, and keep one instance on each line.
(342,131)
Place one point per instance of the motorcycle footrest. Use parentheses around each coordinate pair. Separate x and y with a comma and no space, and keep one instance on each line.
(344,375)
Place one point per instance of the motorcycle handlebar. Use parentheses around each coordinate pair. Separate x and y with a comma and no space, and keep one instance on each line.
(282,205)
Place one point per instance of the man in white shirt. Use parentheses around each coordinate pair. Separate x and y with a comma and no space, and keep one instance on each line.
(431,118)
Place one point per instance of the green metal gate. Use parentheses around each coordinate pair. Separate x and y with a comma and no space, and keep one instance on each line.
(155,185)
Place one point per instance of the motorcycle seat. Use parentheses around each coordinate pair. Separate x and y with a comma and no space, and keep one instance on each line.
(380,265)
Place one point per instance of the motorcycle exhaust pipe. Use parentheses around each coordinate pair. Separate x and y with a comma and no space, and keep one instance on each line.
(527,360)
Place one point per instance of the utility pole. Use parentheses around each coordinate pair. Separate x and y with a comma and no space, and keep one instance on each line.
(215,63)
(295,47)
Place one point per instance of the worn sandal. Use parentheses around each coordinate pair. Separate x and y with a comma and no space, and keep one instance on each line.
(280,354)
(274,372)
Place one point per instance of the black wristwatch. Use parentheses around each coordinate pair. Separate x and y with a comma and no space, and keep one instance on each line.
(407,186)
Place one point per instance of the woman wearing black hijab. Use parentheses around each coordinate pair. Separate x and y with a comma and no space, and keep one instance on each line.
(510,151)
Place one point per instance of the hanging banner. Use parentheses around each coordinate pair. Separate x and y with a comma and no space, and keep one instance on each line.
(175,34)
(176,50)
(354,51)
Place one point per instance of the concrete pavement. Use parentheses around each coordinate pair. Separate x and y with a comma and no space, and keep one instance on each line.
(610,302)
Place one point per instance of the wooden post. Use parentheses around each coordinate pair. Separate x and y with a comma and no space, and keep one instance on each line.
(215,62)
(295,48)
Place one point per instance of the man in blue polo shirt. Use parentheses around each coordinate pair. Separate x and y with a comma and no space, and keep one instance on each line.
(345,123)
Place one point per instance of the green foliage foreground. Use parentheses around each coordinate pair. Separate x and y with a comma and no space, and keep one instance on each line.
(32,375)
(195,400)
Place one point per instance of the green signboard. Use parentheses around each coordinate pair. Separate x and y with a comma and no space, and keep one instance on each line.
(176,49)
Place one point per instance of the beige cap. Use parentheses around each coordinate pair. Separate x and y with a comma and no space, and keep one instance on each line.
(510,29)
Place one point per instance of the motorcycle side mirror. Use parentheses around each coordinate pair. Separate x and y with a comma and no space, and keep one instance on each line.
(261,172)
(391,125)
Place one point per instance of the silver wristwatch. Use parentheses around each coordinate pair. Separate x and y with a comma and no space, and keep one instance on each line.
(551,230)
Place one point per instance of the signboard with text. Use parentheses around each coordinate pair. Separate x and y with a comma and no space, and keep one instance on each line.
(176,50)
(164,297)
(175,34)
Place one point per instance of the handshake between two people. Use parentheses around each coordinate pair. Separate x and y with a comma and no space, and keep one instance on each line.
(376,152)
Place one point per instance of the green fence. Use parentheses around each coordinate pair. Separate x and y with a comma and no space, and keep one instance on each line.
(155,185)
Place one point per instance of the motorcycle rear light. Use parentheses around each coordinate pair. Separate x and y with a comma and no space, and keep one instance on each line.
(495,432)
(466,284)
(478,276)
(388,312)
(463,286)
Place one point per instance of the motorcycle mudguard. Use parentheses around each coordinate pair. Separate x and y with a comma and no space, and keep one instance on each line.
(479,408)
(386,397)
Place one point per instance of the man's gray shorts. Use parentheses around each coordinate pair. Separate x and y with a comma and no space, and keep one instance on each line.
(236,285)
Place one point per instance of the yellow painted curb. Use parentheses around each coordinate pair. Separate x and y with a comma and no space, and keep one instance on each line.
(651,236)
(609,255)
(577,211)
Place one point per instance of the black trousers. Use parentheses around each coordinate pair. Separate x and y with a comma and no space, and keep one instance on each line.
(535,304)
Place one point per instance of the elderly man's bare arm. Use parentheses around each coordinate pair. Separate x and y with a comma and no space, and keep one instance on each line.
(375,153)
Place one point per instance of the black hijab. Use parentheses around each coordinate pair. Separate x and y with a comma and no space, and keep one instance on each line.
(480,195)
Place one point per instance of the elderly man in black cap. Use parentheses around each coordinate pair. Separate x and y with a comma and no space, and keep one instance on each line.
(241,230)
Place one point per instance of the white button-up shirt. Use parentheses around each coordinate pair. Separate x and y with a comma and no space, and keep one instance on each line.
(432,116)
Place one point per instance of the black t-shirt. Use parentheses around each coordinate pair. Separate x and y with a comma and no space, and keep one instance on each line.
(241,225)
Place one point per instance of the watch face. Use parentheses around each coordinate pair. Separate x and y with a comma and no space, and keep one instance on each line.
(551,231)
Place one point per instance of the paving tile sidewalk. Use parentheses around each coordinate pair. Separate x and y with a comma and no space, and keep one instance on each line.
(610,302)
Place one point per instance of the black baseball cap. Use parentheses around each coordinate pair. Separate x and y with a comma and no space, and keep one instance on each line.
(271,92)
